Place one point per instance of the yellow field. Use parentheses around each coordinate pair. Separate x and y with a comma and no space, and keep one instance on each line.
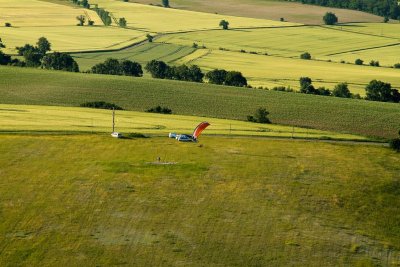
(69,119)
(276,71)
(157,19)
(22,13)
(33,19)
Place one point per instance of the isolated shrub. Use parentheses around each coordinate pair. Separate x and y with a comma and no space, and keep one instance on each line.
(396,66)
(260,116)
(7,24)
(81,19)
(395,144)
(90,22)
(122,22)
(224,24)
(149,38)
(282,19)
(305,55)
(358,61)
(330,18)
(101,105)
(165,3)
(60,61)
(374,63)
(159,109)
(341,90)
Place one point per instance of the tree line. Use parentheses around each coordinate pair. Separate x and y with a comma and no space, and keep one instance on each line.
(384,8)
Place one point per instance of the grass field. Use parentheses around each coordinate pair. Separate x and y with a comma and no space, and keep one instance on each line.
(20,118)
(390,30)
(156,19)
(141,54)
(267,9)
(39,87)
(94,200)
(33,19)
(272,71)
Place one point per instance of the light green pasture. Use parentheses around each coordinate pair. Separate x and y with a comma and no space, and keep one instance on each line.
(287,42)
(141,54)
(17,118)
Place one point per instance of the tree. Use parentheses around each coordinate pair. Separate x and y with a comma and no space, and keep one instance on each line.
(224,24)
(379,91)
(358,61)
(149,38)
(60,61)
(217,76)
(306,86)
(157,69)
(111,66)
(81,19)
(261,116)
(323,91)
(85,4)
(374,63)
(341,90)
(330,18)
(130,68)
(165,3)
(235,78)
(122,22)
(305,55)
(43,45)
(4,59)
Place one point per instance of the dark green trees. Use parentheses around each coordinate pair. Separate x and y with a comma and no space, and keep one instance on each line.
(81,20)
(122,22)
(157,69)
(165,3)
(60,61)
(34,54)
(381,91)
(115,67)
(330,18)
(305,55)
(223,77)
(261,116)
(224,24)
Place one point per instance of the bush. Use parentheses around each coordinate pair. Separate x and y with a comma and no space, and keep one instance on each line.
(260,116)
(358,61)
(159,109)
(7,24)
(374,63)
(396,66)
(235,78)
(101,105)
(224,24)
(341,90)
(395,144)
(330,18)
(306,56)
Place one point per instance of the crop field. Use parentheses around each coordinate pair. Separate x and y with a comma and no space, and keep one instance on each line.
(390,30)
(33,19)
(93,200)
(269,9)
(142,54)
(22,118)
(287,42)
(39,87)
(156,19)
(272,71)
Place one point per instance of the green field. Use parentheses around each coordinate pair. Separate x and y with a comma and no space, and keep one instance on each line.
(94,200)
(156,19)
(142,54)
(32,19)
(28,119)
(272,71)
(39,87)
(269,9)
(287,42)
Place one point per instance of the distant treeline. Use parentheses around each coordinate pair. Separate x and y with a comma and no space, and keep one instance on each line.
(384,8)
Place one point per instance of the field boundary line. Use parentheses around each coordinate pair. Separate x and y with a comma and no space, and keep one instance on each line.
(364,49)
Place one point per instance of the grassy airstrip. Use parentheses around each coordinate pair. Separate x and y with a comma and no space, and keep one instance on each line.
(20,118)
(94,200)
(39,87)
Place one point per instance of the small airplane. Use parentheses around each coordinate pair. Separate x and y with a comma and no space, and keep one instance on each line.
(193,137)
